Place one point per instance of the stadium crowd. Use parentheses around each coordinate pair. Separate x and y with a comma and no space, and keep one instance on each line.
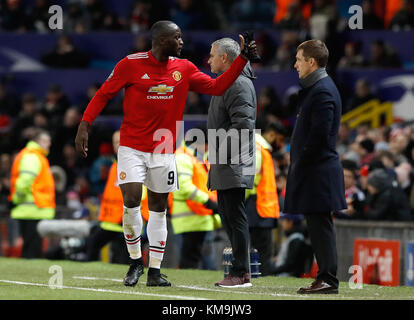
(378,163)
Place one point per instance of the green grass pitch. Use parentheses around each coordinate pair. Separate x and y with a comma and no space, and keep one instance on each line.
(22,279)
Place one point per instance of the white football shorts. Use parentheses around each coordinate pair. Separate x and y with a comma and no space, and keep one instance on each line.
(157,171)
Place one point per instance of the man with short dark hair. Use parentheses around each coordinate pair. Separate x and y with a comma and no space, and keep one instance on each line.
(315,182)
(156,84)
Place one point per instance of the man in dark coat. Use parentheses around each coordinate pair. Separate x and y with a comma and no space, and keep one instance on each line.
(315,182)
(231,124)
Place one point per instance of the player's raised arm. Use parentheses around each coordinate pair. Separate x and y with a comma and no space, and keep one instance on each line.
(203,83)
(115,82)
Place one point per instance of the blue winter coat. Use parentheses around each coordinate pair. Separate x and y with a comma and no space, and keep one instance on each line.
(315,181)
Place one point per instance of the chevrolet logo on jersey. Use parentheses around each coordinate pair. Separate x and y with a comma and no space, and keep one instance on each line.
(161,89)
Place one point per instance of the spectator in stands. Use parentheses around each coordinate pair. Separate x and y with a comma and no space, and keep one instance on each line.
(140,16)
(353,57)
(398,143)
(403,172)
(383,56)
(363,94)
(9,103)
(286,52)
(96,11)
(40,16)
(323,19)
(344,139)
(386,201)
(99,171)
(215,16)
(269,106)
(72,165)
(59,176)
(266,48)
(293,20)
(274,133)
(90,92)
(355,198)
(281,188)
(55,104)
(76,18)
(65,55)
(404,18)
(295,255)
(387,159)
(64,133)
(188,15)
(13,16)
(24,120)
(41,120)
(110,22)
(366,151)
(369,18)
(249,14)
(379,137)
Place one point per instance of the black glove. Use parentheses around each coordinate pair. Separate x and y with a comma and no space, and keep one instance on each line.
(250,49)
(212,205)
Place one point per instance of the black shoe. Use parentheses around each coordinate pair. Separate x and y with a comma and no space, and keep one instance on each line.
(135,271)
(157,280)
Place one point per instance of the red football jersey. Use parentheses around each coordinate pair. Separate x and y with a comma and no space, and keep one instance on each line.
(155,96)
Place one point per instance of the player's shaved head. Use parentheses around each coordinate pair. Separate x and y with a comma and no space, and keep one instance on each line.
(162,28)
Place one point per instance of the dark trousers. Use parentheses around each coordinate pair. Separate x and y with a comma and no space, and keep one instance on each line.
(323,241)
(191,249)
(99,238)
(32,241)
(232,208)
(261,239)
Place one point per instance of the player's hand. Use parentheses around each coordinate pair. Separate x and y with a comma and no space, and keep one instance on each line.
(248,47)
(81,140)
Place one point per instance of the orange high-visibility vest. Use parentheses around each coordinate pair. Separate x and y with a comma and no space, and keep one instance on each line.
(200,177)
(43,189)
(112,202)
(267,203)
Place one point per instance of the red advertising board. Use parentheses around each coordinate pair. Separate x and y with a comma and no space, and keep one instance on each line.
(379,260)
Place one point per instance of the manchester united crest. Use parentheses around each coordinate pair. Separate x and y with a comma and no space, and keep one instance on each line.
(176,75)
(122,175)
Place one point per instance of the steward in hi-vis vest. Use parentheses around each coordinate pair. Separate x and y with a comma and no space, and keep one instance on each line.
(262,204)
(110,213)
(193,207)
(32,191)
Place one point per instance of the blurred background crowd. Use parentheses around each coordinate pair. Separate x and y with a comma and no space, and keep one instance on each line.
(378,162)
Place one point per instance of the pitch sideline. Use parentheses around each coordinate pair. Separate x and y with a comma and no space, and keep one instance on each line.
(107,290)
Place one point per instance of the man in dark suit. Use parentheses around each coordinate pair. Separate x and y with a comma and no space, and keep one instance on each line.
(315,182)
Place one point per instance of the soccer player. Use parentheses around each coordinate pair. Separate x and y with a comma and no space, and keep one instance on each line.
(156,84)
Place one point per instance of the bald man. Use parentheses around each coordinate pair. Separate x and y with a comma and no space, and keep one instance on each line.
(156,84)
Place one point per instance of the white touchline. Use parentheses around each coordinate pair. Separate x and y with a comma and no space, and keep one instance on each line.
(301,296)
(200,288)
(108,291)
